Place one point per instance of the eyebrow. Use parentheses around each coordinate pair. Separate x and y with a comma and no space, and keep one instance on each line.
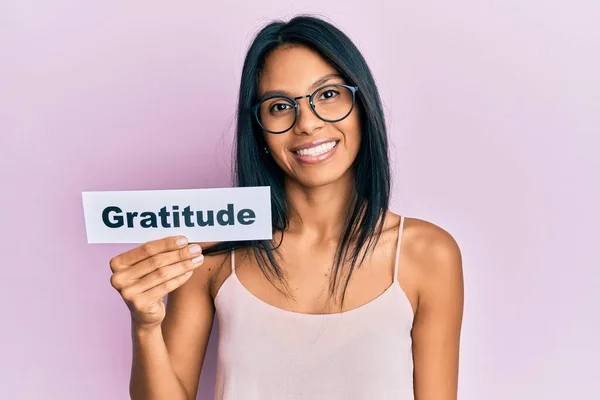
(322,80)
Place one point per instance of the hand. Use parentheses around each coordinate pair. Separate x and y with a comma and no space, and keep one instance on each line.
(147,273)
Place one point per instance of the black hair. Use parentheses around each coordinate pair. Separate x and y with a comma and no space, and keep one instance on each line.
(370,199)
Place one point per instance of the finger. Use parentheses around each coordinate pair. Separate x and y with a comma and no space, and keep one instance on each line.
(159,261)
(164,274)
(147,250)
(161,290)
(126,278)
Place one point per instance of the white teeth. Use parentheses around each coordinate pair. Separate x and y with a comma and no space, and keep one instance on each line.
(317,150)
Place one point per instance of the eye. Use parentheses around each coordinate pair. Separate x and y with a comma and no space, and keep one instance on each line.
(328,94)
(279,107)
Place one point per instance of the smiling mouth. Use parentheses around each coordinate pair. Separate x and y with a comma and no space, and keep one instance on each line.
(317,150)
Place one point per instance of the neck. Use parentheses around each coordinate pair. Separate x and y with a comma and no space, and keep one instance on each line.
(319,213)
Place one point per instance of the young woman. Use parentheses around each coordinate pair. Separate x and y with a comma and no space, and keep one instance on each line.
(349,300)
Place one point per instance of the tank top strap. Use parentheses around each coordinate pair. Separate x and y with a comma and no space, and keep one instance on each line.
(398,242)
(232,261)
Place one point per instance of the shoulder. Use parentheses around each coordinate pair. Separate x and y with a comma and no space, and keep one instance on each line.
(424,238)
(214,264)
(434,247)
(434,257)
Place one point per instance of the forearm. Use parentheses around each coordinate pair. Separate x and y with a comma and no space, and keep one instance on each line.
(152,374)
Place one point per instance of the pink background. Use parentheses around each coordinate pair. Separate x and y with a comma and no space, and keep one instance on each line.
(494,111)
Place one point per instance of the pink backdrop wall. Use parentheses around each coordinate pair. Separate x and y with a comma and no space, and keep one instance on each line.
(494,111)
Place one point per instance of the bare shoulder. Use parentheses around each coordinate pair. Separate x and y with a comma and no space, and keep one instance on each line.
(204,277)
(216,269)
(432,245)
(434,256)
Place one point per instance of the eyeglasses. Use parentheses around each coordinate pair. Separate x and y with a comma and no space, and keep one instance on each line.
(331,103)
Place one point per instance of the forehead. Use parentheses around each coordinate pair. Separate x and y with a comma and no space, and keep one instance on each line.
(293,69)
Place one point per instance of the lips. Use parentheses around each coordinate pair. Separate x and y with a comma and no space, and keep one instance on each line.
(313,144)
(316,151)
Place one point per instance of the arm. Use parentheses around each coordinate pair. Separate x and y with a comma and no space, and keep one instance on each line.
(152,374)
(438,320)
(168,359)
(187,326)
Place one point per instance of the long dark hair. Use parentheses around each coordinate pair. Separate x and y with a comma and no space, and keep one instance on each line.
(370,199)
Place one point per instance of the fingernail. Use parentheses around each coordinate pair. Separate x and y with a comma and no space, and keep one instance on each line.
(188,273)
(182,241)
(195,249)
(198,259)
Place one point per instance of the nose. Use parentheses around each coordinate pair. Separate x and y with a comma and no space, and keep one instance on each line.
(307,122)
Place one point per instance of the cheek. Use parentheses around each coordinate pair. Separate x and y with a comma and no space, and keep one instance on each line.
(352,133)
(275,143)
(277,149)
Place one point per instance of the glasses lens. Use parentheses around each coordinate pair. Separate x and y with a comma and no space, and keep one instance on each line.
(276,114)
(333,103)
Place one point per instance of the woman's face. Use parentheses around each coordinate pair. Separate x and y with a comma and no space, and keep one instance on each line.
(313,152)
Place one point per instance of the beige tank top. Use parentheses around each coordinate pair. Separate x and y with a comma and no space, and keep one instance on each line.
(265,352)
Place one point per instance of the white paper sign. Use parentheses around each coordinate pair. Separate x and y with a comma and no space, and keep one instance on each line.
(203,215)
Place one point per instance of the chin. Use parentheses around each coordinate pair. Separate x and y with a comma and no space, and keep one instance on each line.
(326,177)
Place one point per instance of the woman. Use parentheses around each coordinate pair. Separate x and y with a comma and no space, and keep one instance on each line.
(349,300)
